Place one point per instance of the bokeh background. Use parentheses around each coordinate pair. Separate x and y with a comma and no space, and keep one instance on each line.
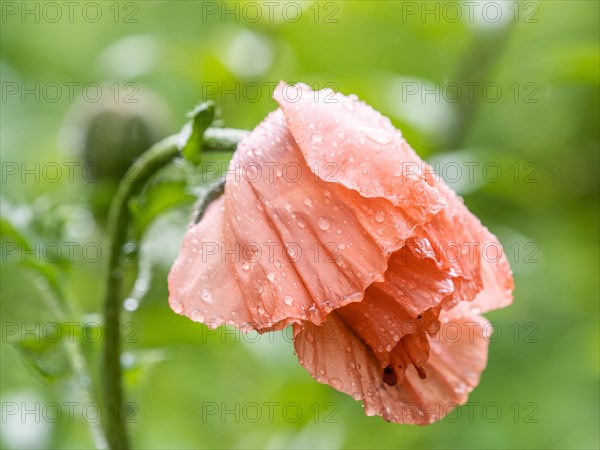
(537,120)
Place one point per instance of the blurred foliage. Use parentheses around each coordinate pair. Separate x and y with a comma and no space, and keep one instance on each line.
(542,131)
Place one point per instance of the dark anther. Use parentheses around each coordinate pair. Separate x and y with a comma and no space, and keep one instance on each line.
(419,316)
(389,376)
(421,372)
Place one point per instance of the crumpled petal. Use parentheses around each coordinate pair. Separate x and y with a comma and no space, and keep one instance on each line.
(294,246)
(346,141)
(461,246)
(331,222)
(334,354)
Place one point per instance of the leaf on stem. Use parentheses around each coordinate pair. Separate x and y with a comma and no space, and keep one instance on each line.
(192,134)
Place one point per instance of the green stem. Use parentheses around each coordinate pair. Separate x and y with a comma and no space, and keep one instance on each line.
(148,164)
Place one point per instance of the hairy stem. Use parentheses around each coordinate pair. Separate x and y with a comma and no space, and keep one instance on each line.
(146,166)
(149,163)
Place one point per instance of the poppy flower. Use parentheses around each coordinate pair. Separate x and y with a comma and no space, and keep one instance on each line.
(331,223)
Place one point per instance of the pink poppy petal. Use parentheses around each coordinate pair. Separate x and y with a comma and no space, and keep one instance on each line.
(292,246)
(334,354)
(346,141)
(466,249)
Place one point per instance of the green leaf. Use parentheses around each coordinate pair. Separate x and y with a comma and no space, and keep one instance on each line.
(21,245)
(43,354)
(192,134)
(154,200)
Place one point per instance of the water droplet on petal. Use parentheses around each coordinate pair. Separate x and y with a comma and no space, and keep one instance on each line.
(324,224)
(460,388)
(288,300)
(206,296)
(271,276)
(380,217)
(379,136)
(196,315)
(176,305)
(245,265)
(369,411)
(301,223)
(308,202)
(316,138)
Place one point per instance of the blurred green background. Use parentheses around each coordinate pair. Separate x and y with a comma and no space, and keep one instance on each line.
(533,113)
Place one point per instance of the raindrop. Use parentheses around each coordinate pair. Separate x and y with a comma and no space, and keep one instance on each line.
(460,388)
(271,276)
(288,300)
(380,136)
(369,411)
(316,138)
(197,316)
(324,224)
(206,296)
(380,217)
(308,202)
(176,305)
(301,223)
(245,265)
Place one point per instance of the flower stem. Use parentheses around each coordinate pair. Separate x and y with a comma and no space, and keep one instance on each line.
(148,164)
